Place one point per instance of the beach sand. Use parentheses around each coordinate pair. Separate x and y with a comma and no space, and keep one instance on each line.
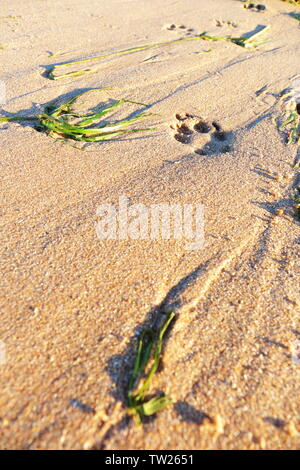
(73,305)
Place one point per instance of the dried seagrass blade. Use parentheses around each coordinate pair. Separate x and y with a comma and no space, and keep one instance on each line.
(56,72)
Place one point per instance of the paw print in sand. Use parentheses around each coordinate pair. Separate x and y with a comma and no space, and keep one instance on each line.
(207,138)
(179,28)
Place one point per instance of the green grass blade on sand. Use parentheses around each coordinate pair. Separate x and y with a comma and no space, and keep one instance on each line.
(52,73)
(243,41)
(295,15)
(296,199)
(56,72)
(18,118)
(71,130)
(292,125)
(111,135)
(59,121)
(66,107)
(102,113)
(149,349)
(151,407)
(293,2)
(94,117)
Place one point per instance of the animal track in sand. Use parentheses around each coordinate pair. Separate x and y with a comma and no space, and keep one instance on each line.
(180,28)
(207,137)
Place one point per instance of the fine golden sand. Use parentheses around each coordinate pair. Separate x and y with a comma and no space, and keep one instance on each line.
(72,305)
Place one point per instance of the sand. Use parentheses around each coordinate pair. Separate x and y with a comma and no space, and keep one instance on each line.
(72,305)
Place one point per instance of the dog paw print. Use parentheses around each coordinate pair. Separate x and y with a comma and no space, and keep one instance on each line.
(221,23)
(206,137)
(179,28)
(253,6)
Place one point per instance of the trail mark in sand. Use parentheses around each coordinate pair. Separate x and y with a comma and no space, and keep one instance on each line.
(207,137)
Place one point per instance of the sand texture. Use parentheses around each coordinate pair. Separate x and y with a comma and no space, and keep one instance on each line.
(73,306)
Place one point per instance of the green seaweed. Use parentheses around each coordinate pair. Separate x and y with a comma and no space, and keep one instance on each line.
(296,199)
(292,125)
(56,121)
(149,349)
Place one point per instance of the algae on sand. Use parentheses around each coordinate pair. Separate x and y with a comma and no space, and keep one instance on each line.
(149,347)
(64,122)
